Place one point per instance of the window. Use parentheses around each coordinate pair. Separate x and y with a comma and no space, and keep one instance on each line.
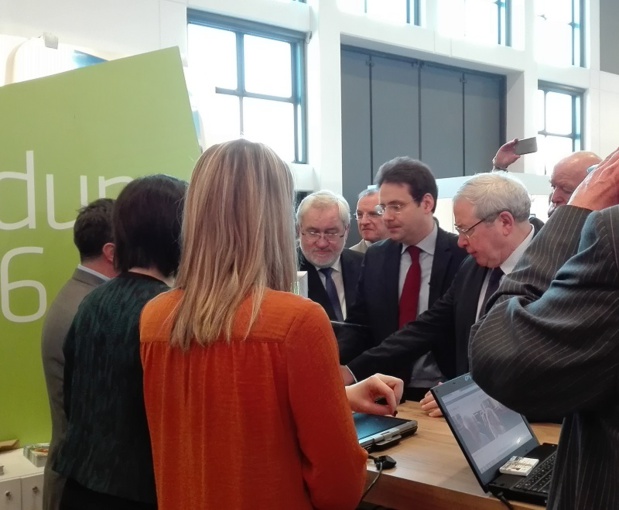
(248,80)
(44,56)
(559,33)
(485,21)
(394,11)
(559,122)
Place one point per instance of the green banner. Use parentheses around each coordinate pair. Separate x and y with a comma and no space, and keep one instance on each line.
(67,140)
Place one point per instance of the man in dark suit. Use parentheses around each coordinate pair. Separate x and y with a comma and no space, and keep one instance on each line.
(92,235)
(550,343)
(408,194)
(492,217)
(370,223)
(323,222)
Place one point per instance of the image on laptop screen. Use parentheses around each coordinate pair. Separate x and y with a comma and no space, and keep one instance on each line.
(489,430)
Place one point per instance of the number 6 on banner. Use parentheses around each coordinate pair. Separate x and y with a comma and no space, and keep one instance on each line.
(6,287)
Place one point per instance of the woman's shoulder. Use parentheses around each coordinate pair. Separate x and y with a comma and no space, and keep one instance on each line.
(288,303)
(287,310)
(160,307)
(165,299)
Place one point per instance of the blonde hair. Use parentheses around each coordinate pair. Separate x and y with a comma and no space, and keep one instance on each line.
(237,239)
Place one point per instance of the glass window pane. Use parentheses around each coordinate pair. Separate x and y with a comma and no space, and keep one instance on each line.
(519,27)
(559,113)
(388,10)
(552,149)
(481,21)
(352,6)
(272,123)
(557,11)
(450,16)
(541,110)
(212,56)
(220,118)
(554,44)
(268,66)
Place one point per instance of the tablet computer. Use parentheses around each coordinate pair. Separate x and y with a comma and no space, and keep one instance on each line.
(377,432)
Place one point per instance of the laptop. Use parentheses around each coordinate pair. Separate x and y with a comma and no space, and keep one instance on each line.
(489,434)
(379,432)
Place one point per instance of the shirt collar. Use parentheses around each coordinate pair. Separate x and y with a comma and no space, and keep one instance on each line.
(427,244)
(93,272)
(336,266)
(511,261)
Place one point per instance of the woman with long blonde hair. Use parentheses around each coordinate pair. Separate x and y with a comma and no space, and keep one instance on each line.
(245,403)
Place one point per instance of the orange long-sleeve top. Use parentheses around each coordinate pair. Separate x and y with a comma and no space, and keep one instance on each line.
(260,423)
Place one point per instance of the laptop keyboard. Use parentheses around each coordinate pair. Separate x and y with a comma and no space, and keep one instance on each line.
(539,480)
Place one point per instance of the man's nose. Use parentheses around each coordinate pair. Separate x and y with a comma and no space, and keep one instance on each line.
(322,241)
(462,241)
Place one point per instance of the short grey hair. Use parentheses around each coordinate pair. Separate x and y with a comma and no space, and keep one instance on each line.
(324,199)
(492,193)
(372,189)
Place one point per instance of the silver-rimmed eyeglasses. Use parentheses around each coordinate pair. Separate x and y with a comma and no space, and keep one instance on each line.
(371,215)
(395,208)
(468,232)
(314,235)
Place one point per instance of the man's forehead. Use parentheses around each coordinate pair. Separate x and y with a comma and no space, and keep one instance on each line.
(329,213)
(368,201)
(393,190)
(570,170)
(463,210)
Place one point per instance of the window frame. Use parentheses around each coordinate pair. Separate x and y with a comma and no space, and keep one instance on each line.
(413,12)
(297,42)
(578,112)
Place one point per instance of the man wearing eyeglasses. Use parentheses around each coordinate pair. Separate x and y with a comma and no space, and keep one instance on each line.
(491,214)
(403,275)
(323,221)
(369,221)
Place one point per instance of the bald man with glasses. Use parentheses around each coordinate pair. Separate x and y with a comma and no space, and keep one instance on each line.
(323,222)
(491,214)
(403,275)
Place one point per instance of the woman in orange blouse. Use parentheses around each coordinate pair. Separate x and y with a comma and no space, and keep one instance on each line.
(245,403)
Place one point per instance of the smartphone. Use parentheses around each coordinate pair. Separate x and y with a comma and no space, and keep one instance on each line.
(526,146)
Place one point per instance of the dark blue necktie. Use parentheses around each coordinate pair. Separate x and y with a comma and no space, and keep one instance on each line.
(332,292)
(493,284)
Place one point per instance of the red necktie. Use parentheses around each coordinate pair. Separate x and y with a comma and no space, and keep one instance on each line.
(410,292)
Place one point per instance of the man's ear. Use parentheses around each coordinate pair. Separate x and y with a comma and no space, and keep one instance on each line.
(108,251)
(507,221)
(428,203)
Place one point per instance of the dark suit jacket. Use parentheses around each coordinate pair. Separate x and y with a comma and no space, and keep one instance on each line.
(377,303)
(550,344)
(443,329)
(351,266)
(57,322)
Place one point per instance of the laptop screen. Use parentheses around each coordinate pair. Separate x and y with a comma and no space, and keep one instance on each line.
(488,432)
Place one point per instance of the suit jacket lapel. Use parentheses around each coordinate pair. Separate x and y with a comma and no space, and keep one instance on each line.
(315,289)
(350,283)
(442,258)
(390,275)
